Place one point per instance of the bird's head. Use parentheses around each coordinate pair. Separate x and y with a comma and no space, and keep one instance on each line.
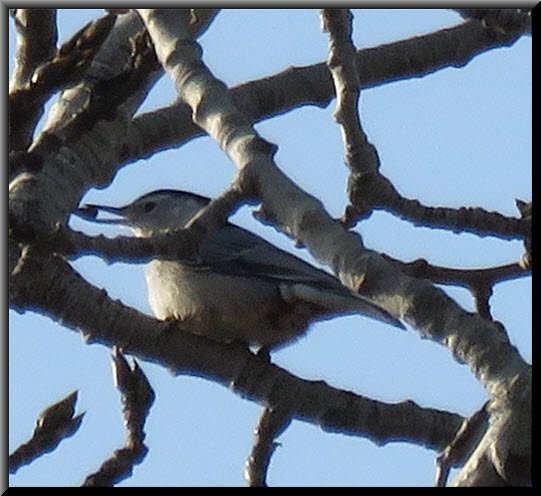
(156,211)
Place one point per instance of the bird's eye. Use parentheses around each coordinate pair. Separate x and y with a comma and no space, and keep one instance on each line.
(148,207)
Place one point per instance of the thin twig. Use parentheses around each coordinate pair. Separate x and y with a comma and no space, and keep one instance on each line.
(273,422)
(54,424)
(137,398)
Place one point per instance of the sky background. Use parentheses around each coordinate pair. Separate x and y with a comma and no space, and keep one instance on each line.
(459,137)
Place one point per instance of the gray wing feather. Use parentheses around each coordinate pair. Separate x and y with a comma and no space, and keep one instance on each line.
(235,251)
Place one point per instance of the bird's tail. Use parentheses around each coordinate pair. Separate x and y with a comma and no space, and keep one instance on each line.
(338,303)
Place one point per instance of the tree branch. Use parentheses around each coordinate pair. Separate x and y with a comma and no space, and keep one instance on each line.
(373,191)
(360,155)
(272,423)
(36,43)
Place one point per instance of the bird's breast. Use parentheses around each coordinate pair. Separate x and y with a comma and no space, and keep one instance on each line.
(224,307)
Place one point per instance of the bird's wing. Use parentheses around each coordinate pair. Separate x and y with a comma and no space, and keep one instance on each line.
(235,251)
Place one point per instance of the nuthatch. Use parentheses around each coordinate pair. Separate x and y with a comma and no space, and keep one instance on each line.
(238,287)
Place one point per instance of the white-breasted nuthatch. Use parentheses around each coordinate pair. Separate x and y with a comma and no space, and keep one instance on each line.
(238,287)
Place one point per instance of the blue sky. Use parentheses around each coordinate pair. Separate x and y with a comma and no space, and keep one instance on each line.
(460,137)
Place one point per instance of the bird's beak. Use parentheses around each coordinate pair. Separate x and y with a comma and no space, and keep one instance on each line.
(90,212)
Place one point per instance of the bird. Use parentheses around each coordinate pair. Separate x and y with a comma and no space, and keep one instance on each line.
(238,287)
